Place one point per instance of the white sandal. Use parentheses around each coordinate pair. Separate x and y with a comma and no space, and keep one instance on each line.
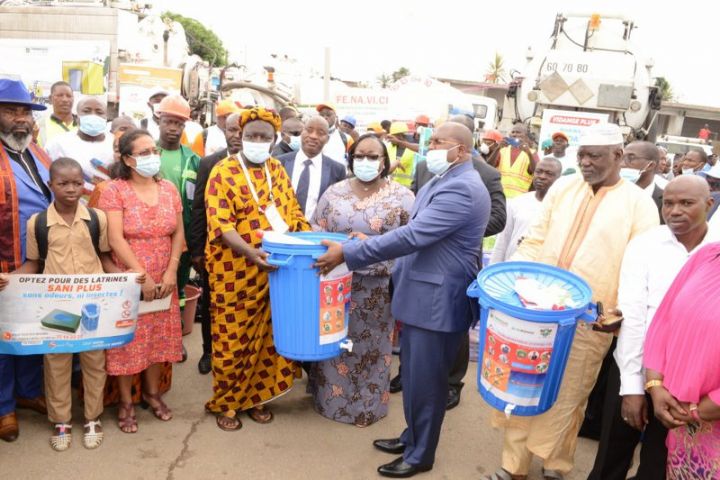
(92,439)
(63,437)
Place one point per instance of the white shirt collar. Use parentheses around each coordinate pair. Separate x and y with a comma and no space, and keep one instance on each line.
(301,157)
(668,237)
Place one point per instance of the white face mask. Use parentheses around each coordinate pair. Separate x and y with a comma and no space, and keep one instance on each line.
(256,152)
(294,142)
(688,171)
(630,174)
(147,165)
(437,160)
(484,149)
(366,170)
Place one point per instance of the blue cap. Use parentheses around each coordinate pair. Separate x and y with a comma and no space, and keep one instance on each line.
(15,92)
(350,120)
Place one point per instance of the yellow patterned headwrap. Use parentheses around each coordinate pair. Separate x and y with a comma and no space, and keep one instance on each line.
(260,113)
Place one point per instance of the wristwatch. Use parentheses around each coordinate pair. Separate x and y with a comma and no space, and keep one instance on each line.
(653,383)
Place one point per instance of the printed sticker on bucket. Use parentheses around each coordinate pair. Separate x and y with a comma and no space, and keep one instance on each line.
(334,305)
(516,358)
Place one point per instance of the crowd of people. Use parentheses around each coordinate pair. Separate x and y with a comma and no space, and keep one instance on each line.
(164,198)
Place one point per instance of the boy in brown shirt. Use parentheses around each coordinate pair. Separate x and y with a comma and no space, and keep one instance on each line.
(70,249)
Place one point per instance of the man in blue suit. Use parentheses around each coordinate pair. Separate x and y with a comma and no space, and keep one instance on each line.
(437,254)
(24,192)
(310,171)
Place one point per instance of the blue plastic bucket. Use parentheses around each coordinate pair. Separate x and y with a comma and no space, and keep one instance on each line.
(309,316)
(523,352)
(90,315)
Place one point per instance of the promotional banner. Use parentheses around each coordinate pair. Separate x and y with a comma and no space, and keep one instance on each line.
(67,313)
(570,123)
(137,82)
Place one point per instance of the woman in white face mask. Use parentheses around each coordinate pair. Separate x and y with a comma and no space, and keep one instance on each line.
(372,204)
(245,194)
(145,229)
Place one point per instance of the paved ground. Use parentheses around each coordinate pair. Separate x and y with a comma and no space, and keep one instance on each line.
(299,444)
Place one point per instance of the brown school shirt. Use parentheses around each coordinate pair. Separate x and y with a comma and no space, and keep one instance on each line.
(70,247)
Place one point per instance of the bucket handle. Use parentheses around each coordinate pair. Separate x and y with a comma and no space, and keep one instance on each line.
(272,260)
(473,290)
(590,314)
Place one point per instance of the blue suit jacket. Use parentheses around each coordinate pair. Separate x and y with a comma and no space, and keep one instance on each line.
(31,199)
(437,252)
(332,171)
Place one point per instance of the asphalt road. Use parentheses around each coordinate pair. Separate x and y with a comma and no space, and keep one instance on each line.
(299,444)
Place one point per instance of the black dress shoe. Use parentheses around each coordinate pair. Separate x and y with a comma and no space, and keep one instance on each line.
(400,469)
(184,355)
(453,399)
(390,445)
(396,384)
(205,364)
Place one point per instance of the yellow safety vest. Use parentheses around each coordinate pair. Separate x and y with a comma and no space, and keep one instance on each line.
(51,127)
(514,177)
(407,162)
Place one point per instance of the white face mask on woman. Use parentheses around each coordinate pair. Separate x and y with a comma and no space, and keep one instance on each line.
(365,169)
(256,152)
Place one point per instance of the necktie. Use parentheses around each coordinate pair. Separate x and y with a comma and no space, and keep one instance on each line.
(304,185)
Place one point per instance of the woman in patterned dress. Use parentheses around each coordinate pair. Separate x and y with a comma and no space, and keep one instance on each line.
(145,230)
(354,387)
(682,366)
(245,194)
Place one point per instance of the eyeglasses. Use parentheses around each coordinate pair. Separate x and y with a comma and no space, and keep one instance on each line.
(367,157)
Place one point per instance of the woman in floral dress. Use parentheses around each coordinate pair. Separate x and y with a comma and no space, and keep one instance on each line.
(145,229)
(353,388)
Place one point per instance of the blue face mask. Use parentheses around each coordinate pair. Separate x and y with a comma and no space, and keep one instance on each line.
(92,125)
(366,170)
(147,165)
(630,174)
(437,162)
(294,142)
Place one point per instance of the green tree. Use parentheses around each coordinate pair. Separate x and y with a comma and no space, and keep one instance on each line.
(384,80)
(400,73)
(665,88)
(496,70)
(202,41)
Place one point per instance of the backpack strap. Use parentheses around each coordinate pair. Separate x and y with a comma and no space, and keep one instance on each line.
(41,235)
(94,227)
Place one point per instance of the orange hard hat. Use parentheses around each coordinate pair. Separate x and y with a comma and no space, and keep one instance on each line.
(422,120)
(493,135)
(174,105)
(226,107)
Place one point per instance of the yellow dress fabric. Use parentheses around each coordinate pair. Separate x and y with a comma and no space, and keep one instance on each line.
(586,233)
(247,371)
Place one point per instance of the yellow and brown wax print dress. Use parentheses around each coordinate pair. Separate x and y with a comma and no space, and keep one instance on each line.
(247,371)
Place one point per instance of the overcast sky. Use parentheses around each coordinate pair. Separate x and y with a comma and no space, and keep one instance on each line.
(455,38)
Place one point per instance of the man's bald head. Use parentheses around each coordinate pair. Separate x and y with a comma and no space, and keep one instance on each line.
(647,150)
(92,105)
(292,125)
(694,184)
(463,120)
(458,132)
(686,204)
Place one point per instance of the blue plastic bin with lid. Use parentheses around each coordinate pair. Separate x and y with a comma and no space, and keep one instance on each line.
(295,299)
(523,352)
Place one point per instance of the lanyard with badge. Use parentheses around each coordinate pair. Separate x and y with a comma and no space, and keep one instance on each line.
(271,212)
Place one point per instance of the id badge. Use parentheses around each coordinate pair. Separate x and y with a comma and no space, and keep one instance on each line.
(276,221)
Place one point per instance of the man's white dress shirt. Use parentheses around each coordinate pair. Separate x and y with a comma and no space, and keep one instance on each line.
(315,178)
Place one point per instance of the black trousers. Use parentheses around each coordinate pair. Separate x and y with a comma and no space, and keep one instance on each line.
(618,440)
(205,313)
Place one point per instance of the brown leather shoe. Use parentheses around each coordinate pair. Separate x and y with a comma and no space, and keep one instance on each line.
(36,404)
(9,430)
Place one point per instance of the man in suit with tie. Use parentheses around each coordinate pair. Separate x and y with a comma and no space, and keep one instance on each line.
(310,171)
(437,258)
(491,179)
